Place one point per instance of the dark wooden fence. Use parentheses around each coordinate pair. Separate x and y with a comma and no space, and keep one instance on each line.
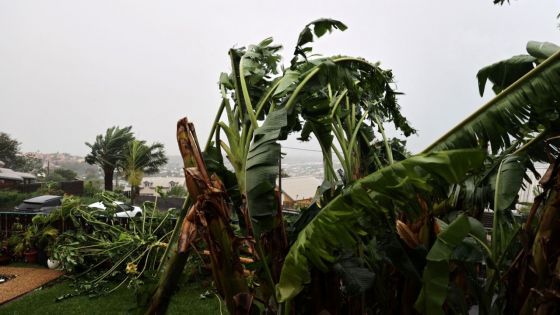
(75,187)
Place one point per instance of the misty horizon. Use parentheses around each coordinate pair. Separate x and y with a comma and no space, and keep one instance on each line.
(68,72)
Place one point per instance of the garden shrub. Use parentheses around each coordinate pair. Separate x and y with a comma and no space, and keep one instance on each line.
(10,198)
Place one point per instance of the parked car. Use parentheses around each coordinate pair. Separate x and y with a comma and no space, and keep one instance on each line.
(124,210)
(45,203)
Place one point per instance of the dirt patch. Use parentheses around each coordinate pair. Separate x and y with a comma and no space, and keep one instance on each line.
(24,280)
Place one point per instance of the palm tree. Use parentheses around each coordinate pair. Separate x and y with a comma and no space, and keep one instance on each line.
(107,151)
(139,159)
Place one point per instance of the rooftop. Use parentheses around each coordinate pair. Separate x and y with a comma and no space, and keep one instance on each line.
(301,187)
(6,173)
(42,199)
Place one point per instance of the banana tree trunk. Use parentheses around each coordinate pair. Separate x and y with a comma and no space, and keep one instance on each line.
(532,282)
(170,270)
(224,256)
(208,217)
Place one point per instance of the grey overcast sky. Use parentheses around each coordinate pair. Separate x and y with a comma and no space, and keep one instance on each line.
(70,69)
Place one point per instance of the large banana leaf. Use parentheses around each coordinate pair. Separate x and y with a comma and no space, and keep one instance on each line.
(320,27)
(509,181)
(342,221)
(528,104)
(504,73)
(262,170)
(436,274)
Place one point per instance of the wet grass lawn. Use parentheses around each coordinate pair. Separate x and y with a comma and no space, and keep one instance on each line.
(122,301)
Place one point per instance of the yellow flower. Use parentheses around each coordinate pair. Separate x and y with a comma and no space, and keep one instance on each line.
(131,268)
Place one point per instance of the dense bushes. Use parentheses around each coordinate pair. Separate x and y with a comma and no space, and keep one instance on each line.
(9,199)
(99,249)
(92,244)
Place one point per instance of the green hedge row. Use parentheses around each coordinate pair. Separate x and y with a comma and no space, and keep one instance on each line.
(9,198)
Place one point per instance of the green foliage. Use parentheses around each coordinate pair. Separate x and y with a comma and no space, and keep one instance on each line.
(436,273)
(526,107)
(9,199)
(61,175)
(120,301)
(12,157)
(101,248)
(54,178)
(65,174)
(344,99)
(345,103)
(318,28)
(27,162)
(9,148)
(344,221)
(513,126)
(177,191)
(107,151)
(119,150)
(262,171)
(138,159)
(328,93)
(503,73)
(91,188)
(326,97)
(357,278)
(509,181)
(40,234)
(50,188)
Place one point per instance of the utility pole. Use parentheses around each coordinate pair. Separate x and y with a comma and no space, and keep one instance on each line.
(280,176)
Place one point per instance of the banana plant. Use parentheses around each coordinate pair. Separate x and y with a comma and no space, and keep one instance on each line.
(207,218)
(348,219)
(312,89)
(344,103)
(262,106)
(517,113)
(526,103)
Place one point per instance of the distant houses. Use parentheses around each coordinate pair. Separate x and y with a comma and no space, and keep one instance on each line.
(299,191)
(149,184)
(11,179)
